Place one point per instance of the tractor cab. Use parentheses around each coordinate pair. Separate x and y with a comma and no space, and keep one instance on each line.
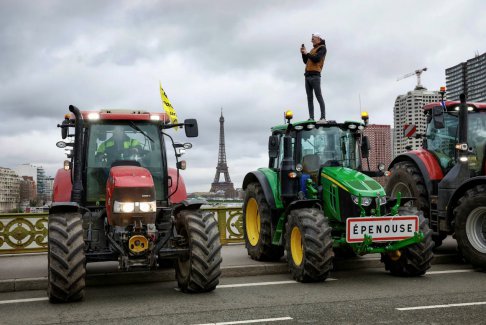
(442,135)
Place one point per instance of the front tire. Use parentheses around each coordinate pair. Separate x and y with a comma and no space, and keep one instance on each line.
(470,226)
(66,258)
(308,243)
(407,179)
(257,225)
(200,271)
(413,260)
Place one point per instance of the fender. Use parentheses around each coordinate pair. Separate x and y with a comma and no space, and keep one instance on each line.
(268,191)
(459,192)
(300,204)
(178,186)
(188,205)
(63,207)
(426,163)
(61,191)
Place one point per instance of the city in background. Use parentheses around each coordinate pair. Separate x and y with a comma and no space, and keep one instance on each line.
(27,188)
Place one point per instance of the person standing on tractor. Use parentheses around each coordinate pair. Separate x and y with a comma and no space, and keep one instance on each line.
(314,61)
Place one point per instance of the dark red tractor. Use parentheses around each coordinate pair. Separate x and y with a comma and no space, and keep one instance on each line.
(117,200)
(447,175)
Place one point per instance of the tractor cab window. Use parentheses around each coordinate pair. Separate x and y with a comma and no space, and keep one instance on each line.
(441,142)
(133,143)
(476,138)
(329,147)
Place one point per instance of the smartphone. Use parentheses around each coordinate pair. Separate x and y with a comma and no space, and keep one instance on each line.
(302,45)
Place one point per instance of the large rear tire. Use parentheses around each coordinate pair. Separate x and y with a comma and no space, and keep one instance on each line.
(407,179)
(470,226)
(308,243)
(413,260)
(257,226)
(66,258)
(200,271)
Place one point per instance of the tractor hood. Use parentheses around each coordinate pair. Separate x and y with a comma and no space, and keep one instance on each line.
(353,181)
(130,194)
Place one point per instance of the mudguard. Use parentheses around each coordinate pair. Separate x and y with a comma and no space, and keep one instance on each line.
(259,177)
(426,163)
(61,191)
(459,192)
(178,186)
(188,205)
(63,207)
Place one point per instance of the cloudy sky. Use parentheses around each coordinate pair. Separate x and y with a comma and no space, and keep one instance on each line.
(242,56)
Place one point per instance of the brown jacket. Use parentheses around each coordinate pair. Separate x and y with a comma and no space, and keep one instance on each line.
(314,60)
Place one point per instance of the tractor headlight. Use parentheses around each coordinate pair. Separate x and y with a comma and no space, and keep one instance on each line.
(147,206)
(365,201)
(123,207)
(382,200)
(129,207)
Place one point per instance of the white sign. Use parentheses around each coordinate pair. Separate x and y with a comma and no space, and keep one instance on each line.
(381,228)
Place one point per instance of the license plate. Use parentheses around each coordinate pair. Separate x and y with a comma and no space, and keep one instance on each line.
(381,228)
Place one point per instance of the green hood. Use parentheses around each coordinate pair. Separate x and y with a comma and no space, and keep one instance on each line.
(352,181)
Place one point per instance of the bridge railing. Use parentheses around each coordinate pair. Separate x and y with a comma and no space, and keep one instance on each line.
(22,233)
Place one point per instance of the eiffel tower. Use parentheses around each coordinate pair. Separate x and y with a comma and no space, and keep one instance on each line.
(222,168)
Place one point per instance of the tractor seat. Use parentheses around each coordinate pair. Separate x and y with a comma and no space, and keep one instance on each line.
(310,164)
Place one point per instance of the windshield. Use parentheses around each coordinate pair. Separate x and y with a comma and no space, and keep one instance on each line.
(135,143)
(476,140)
(442,142)
(330,146)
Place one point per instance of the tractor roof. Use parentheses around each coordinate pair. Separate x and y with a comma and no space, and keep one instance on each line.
(452,105)
(283,127)
(122,114)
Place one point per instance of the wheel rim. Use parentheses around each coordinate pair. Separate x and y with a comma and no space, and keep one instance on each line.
(252,222)
(296,247)
(476,229)
(404,190)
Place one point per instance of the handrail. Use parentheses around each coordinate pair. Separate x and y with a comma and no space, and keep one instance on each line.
(22,233)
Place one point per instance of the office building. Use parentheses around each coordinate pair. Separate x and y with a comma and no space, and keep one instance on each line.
(9,190)
(469,78)
(408,111)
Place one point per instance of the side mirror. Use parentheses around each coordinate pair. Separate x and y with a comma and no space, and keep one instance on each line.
(64,129)
(438,116)
(273,146)
(365,147)
(190,126)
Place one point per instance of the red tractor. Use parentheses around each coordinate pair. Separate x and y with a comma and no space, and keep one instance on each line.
(447,175)
(116,200)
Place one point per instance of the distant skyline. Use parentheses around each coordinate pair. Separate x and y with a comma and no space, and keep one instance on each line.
(243,56)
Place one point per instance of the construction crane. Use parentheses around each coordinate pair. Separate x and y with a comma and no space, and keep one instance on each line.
(417,73)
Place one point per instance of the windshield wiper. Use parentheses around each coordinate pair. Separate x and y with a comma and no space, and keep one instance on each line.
(134,126)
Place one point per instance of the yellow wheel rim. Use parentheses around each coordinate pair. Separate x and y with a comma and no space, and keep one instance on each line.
(252,222)
(296,247)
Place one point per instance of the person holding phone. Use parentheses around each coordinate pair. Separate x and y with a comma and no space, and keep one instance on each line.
(314,61)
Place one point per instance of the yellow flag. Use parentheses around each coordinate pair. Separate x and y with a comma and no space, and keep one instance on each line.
(168,107)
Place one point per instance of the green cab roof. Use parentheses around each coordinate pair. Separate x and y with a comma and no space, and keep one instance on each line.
(345,125)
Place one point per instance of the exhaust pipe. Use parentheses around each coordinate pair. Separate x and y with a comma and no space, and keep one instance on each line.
(77,191)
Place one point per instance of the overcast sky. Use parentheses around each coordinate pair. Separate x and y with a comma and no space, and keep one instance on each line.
(242,56)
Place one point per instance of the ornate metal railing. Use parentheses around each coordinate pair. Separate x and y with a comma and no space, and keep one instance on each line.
(23,233)
(27,232)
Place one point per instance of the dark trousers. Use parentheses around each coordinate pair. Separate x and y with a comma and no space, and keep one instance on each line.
(313,83)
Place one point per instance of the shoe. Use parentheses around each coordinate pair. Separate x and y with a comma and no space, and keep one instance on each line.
(322,121)
(311,119)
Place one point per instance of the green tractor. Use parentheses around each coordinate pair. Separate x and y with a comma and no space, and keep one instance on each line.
(314,200)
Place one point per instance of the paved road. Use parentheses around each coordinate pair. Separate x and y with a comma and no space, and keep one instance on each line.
(448,294)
